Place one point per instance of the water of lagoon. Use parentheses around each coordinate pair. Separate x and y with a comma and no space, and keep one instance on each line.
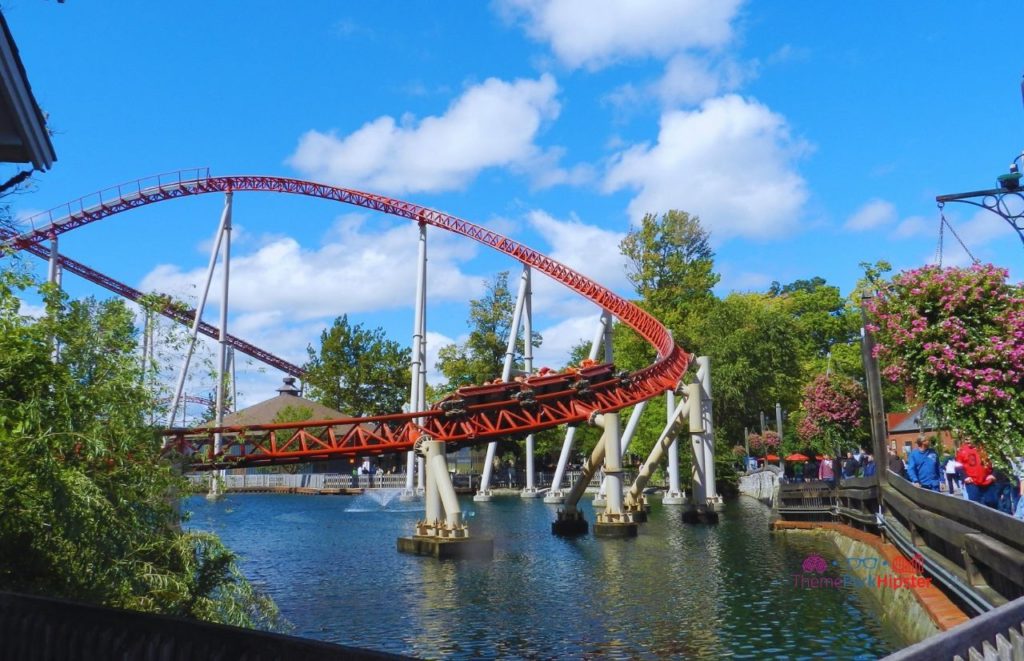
(676,591)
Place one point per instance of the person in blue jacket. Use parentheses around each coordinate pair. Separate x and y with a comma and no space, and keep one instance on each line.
(923,466)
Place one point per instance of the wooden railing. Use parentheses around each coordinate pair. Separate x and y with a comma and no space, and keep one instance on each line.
(975,552)
(997,634)
(40,628)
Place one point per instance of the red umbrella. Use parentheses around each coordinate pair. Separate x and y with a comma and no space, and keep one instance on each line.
(796,456)
(772,457)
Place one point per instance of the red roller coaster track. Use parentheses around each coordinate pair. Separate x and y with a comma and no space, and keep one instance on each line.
(474,423)
(169,308)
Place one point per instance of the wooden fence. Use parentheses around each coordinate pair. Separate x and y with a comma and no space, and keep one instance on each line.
(51,629)
(975,552)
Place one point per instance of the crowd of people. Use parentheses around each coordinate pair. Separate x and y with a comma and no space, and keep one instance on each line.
(967,473)
(859,463)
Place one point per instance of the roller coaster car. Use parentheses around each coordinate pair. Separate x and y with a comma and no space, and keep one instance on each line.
(550,383)
(491,392)
(598,373)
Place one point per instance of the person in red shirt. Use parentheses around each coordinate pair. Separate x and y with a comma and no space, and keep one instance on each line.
(978,468)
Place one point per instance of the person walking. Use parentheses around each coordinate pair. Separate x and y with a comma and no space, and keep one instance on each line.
(923,466)
(869,465)
(825,470)
(979,478)
(951,473)
(896,464)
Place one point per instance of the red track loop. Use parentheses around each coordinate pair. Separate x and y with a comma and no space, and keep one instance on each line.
(325,439)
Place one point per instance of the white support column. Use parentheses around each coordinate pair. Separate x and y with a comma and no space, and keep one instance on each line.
(416,355)
(712,499)
(699,472)
(222,348)
(225,219)
(682,414)
(53,273)
(530,491)
(422,389)
(627,437)
(613,449)
(53,277)
(442,517)
(674,495)
(555,494)
(587,472)
(234,381)
(484,494)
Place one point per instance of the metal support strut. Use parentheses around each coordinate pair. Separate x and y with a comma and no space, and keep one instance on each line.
(417,354)
(506,373)
(555,495)
(222,349)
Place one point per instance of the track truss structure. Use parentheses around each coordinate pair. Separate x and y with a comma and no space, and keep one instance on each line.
(476,422)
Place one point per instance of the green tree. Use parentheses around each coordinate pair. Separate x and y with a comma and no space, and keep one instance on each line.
(83,488)
(481,357)
(671,266)
(357,370)
(754,349)
(827,328)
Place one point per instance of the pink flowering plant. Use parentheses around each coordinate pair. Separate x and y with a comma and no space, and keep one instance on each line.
(763,444)
(832,413)
(956,336)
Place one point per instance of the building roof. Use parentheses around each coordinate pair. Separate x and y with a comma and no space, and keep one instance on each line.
(917,420)
(267,411)
(23,134)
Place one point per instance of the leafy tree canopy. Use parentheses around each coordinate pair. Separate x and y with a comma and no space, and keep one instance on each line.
(358,370)
(88,510)
(481,357)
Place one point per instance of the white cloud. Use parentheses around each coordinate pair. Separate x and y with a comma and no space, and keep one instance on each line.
(33,310)
(914,226)
(872,215)
(588,249)
(731,162)
(560,338)
(596,33)
(687,81)
(354,271)
(493,124)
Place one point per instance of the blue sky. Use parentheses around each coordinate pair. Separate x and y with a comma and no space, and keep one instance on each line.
(808,136)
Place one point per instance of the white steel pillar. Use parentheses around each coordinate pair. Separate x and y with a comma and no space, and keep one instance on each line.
(422,390)
(443,517)
(713,500)
(54,271)
(556,495)
(222,348)
(687,411)
(484,494)
(674,495)
(416,355)
(225,219)
(54,276)
(627,438)
(612,450)
(530,490)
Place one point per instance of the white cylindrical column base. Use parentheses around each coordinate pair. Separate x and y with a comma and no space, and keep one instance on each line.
(554,498)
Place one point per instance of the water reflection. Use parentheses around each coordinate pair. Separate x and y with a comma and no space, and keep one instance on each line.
(675,591)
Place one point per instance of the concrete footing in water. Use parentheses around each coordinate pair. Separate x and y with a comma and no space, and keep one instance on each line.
(480,548)
(616,529)
(569,524)
(700,515)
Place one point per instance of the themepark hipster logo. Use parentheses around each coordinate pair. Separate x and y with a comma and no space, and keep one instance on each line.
(864,572)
